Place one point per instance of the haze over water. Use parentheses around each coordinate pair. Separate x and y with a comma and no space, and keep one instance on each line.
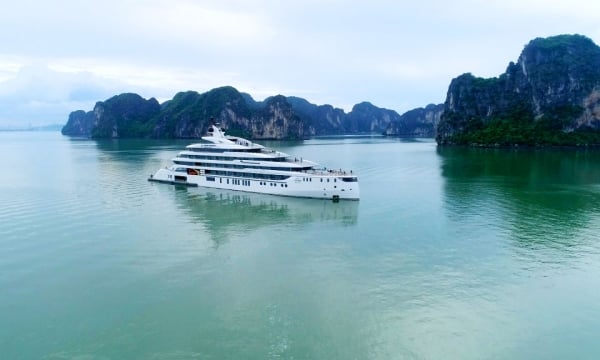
(449,254)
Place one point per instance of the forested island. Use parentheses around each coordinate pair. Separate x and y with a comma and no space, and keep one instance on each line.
(550,96)
(189,114)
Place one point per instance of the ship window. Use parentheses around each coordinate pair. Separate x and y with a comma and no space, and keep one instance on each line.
(350,179)
(210,178)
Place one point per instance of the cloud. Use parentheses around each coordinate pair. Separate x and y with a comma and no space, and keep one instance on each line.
(197,24)
(39,95)
(66,55)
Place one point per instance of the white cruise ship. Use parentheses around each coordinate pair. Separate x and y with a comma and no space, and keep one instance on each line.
(234,163)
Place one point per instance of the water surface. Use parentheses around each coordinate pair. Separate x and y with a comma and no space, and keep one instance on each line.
(450,253)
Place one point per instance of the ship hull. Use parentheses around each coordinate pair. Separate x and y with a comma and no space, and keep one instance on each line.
(315,186)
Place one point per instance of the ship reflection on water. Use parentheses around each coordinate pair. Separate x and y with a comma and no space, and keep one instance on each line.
(224,212)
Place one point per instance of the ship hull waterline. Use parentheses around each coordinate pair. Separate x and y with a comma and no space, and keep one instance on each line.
(297,185)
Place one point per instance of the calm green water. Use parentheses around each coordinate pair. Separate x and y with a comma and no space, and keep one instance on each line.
(450,254)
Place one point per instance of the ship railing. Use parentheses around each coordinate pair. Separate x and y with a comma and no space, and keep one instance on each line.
(324,171)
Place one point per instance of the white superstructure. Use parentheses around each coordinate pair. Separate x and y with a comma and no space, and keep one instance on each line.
(234,163)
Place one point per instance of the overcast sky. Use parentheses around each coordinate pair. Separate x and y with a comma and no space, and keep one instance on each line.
(64,55)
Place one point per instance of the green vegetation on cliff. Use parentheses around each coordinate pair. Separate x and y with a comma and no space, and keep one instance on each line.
(127,115)
(189,114)
(551,96)
(520,128)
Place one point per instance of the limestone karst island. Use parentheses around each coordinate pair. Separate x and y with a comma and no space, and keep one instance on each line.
(549,97)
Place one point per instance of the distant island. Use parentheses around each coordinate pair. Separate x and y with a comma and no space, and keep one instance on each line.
(51,127)
(550,96)
(189,114)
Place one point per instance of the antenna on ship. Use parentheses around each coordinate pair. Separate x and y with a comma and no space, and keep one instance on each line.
(212,126)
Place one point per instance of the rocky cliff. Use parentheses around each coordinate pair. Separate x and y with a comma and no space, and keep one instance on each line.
(189,114)
(321,119)
(420,122)
(368,118)
(124,115)
(80,123)
(551,96)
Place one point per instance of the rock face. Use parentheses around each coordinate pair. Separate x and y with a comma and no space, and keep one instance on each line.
(420,122)
(123,115)
(550,96)
(189,114)
(321,119)
(276,120)
(80,123)
(367,118)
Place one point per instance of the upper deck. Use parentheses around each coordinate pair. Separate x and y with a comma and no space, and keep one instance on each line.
(221,151)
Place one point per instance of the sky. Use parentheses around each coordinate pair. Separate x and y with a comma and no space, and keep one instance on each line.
(65,55)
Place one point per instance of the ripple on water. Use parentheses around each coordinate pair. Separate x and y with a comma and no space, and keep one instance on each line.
(445,256)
